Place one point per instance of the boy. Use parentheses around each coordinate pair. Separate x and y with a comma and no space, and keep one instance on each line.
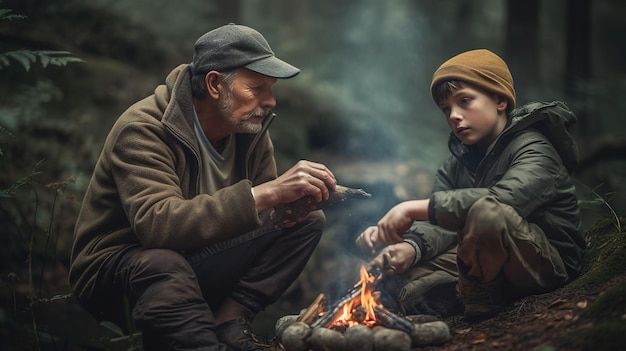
(503,215)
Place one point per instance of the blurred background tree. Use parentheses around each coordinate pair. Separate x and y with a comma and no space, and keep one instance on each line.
(361,104)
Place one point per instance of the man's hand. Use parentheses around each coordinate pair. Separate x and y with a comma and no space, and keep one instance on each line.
(395,258)
(305,178)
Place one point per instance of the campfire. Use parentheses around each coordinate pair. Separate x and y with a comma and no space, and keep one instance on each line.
(358,321)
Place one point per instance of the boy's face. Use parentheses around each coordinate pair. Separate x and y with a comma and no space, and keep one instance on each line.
(475,116)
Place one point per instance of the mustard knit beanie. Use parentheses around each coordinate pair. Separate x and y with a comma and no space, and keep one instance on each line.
(480,67)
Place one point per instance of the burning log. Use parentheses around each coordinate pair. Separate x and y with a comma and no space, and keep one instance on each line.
(346,305)
(287,215)
(387,319)
(326,320)
(358,321)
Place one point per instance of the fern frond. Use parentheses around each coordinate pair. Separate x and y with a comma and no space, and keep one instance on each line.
(5,14)
(18,184)
(5,131)
(47,57)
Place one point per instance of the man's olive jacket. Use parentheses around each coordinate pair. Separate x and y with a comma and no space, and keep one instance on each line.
(144,188)
(527,167)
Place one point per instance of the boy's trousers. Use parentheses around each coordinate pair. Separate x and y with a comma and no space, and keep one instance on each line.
(495,243)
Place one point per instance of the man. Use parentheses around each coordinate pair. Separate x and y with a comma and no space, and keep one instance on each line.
(175,221)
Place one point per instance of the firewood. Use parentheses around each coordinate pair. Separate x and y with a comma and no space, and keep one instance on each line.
(422,318)
(359,337)
(287,215)
(430,334)
(337,307)
(323,339)
(391,320)
(386,339)
(295,337)
(314,310)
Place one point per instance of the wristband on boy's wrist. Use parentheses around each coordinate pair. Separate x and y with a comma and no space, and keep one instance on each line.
(418,251)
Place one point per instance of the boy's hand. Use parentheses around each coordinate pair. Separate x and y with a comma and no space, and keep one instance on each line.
(395,258)
(368,241)
(395,223)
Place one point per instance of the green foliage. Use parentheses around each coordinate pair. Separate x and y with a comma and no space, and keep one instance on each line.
(27,57)
(46,57)
(27,208)
(599,200)
(6,14)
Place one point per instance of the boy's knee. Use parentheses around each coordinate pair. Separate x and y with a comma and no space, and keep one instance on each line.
(486,210)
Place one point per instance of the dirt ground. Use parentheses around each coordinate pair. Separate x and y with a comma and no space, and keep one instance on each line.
(554,321)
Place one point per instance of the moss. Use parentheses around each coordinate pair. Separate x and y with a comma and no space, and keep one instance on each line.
(608,324)
(605,257)
(605,318)
(610,306)
(601,336)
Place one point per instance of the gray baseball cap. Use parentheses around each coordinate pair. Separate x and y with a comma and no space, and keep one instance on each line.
(232,46)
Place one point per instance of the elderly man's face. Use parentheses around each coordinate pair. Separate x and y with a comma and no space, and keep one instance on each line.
(247,100)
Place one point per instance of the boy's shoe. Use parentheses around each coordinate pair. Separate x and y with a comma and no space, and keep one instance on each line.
(482,300)
(433,294)
(237,334)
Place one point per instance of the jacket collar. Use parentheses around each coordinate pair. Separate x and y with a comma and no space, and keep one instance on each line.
(550,118)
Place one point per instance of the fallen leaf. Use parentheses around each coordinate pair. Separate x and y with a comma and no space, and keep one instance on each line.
(463,331)
(479,339)
(582,304)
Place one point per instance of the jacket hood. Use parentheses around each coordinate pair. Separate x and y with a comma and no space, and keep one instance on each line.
(553,119)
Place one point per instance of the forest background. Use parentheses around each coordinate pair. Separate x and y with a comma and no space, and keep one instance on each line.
(361,105)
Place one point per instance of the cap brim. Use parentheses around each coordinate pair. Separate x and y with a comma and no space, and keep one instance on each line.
(273,67)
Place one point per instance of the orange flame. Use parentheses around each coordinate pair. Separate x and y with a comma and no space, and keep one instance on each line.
(352,314)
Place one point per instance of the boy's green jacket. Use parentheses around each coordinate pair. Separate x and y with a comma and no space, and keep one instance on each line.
(527,167)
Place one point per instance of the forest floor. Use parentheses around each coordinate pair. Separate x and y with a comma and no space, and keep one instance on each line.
(587,314)
(559,320)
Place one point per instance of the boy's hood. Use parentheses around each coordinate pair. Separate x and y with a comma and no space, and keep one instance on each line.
(550,118)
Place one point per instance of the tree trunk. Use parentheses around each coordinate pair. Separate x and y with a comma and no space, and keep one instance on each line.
(522,45)
(578,64)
